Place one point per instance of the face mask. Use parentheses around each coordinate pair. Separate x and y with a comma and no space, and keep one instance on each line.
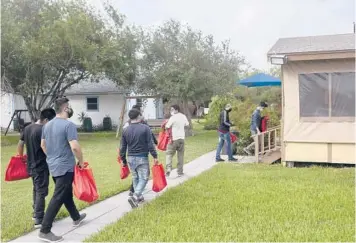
(70,112)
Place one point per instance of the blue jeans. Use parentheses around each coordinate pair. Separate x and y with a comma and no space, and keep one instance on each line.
(224,137)
(140,171)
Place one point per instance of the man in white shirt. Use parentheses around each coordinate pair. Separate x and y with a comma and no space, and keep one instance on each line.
(177,122)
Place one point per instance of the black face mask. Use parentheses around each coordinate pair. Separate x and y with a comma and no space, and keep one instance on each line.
(70,112)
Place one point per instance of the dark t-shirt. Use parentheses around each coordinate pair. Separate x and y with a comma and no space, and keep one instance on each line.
(36,158)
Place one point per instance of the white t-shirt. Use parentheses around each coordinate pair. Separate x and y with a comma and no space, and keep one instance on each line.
(177,122)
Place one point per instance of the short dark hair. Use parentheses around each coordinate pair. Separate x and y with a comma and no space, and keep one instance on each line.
(176,107)
(134,114)
(58,104)
(263,104)
(137,107)
(48,114)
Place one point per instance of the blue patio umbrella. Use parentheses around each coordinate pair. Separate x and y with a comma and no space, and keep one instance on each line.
(260,80)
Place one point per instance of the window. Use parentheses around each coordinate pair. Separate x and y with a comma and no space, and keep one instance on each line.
(327,95)
(92,104)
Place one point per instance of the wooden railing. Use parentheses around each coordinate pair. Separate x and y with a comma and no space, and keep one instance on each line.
(272,143)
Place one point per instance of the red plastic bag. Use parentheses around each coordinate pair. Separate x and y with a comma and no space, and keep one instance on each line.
(159,178)
(125,171)
(84,186)
(17,169)
(163,140)
(233,138)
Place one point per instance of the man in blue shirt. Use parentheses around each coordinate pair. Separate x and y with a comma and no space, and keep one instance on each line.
(60,143)
(256,119)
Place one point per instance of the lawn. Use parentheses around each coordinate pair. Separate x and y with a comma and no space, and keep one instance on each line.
(240,203)
(100,150)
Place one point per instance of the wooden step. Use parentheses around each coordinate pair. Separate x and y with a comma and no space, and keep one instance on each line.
(271,157)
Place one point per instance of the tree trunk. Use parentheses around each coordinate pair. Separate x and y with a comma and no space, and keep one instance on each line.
(121,120)
(186,111)
(32,111)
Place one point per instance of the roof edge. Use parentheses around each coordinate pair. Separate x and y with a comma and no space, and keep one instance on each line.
(311,52)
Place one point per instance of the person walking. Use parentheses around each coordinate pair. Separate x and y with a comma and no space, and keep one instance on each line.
(224,134)
(177,122)
(137,141)
(36,163)
(143,121)
(60,143)
(256,119)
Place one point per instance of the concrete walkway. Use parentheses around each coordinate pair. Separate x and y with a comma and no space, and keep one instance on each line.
(113,208)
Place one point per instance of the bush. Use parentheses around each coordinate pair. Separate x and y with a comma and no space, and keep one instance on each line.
(240,116)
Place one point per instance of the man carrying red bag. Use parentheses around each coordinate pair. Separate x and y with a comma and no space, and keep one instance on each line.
(137,140)
(36,162)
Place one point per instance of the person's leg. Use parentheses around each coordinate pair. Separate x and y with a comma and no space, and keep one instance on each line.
(227,139)
(55,204)
(220,146)
(33,198)
(180,155)
(143,171)
(247,149)
(68,197)
(41,181)
(169,157)
(132,189)
(132,163)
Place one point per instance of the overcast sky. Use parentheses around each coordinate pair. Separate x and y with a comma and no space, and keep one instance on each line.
(253,26)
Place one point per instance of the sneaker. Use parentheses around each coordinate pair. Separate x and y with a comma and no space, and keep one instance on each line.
(133,202)
(80,220)
(141,200)
(168,173)
(233,160)
(49,237)
(219,160)
(131,194)
(180,175)
(38,223)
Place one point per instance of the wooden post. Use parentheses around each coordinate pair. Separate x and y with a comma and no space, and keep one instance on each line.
(269,141)
(121,120)
(256,147)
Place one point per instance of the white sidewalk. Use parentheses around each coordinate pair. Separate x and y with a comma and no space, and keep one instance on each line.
(112,209)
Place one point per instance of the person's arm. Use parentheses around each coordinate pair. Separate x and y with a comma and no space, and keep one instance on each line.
(225,121)
(186,122)
(151,147)
(43,141)
(21,144)
(72,137)
(169,122)
(123,149)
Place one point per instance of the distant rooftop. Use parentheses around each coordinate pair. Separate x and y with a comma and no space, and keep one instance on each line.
(322,43)
(87,87)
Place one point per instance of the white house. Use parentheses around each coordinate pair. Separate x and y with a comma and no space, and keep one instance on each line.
(96,100)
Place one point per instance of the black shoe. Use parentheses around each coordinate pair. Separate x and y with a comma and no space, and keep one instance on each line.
(80,220)
(219,160)
(131,194)
(49,237)
(233,160)
(168,173)
(133,202)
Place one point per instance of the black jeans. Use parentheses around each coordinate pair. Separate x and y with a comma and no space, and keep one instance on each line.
(132,189)
(63,194)
(40,180)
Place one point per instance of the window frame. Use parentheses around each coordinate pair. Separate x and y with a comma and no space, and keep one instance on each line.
(329,118)
(97,103)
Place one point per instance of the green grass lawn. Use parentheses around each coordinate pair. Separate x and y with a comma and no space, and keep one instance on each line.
(240,203)
(100,150)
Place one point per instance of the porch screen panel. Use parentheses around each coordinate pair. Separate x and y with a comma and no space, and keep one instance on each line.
(343,94)
(314,95)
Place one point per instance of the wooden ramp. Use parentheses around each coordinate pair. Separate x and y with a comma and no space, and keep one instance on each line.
(271,156)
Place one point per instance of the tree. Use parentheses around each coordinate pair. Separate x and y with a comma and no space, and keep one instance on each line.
(182,64)
(48,46)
